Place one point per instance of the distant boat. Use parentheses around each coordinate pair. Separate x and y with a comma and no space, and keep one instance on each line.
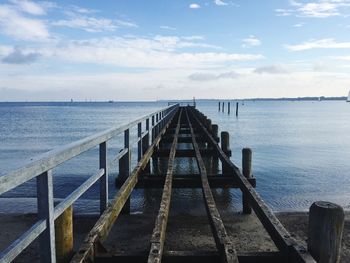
(348,99)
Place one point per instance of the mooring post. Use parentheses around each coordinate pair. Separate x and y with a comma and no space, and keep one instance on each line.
(124,167)
(236,108)
(228,107)
(64,236)
(223,106)
(225,146)
(219,105)
(247,173)
(104,177)
(326,223)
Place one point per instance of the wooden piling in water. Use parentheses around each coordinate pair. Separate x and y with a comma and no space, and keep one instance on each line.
(326,223)
(219,106)
(223,106)
(247,172)
(228,108)
(236,108)
(64,236)
(225,146)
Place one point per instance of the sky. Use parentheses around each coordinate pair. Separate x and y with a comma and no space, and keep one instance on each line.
(167,49)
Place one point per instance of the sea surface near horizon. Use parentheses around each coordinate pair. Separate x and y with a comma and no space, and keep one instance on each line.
(301,151)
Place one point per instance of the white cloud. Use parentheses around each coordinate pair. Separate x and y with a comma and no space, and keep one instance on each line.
(220,2)
(92,24)
(251,41)
(29,7)
(298,25)
(194,6)
(272,69)
(211,76)
(344,58)
(316,9)
(15,24)
(322,43)
(167,28)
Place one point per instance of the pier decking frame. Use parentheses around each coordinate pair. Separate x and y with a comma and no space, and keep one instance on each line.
(166,125)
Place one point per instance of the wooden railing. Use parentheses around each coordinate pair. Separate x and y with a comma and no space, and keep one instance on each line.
(42,167)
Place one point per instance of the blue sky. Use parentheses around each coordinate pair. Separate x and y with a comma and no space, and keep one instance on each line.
(147,50)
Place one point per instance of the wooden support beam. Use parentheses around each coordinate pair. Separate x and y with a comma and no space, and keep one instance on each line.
(223,243)
(280,236)
(191,256)
(158,234)
(187,181)
(104,224)
(188,153)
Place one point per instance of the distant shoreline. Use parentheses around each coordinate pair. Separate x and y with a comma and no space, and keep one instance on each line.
(322,98)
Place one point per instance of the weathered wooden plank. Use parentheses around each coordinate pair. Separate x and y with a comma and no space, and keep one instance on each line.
(186,181)
(57,156)
(158,234)
(104,224)
(188,153)
(192,256)
(183,139)
(223,243)
(273,226)
(104,177)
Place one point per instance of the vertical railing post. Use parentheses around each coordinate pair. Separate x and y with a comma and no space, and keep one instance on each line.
(225,146)
(104,177)
(45,211)
(153,129)
(145,146)
(139,143)
(124,167)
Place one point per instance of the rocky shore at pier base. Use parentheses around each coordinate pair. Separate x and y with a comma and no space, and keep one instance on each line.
(185,231)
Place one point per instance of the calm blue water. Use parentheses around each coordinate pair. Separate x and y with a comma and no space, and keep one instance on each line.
(301,151)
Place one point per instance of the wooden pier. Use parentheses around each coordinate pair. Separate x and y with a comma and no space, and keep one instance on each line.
(163,131)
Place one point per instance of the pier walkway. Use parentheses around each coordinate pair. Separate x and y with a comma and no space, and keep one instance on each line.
(164,131)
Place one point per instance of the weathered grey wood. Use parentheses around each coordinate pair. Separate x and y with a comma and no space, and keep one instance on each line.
(107,219)
(125,167)
(225,146)
(223,243)
(153,130)
(53,158)
(158,234)
(45,211)
(11,252)
(193,257)
(104,177)
(228,107)
(223,106)
(139,143)
(277,232)
(326,223)
(219,105)
(64,236)
(72,197)
(145,145)
(236,108)
(247,173)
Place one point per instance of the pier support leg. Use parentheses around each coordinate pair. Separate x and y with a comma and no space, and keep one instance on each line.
(247,173)
(326,223)
(236,108)
(64,236)
(228,108)
(223,107)
(225,146)
(124,168)
(219,106)
(215,131)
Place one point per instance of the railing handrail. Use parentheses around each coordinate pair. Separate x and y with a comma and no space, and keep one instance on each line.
(59,155)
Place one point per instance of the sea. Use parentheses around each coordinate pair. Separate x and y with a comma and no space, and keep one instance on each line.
(301,151)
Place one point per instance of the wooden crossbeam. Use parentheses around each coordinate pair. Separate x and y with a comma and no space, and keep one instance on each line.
(188,153)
